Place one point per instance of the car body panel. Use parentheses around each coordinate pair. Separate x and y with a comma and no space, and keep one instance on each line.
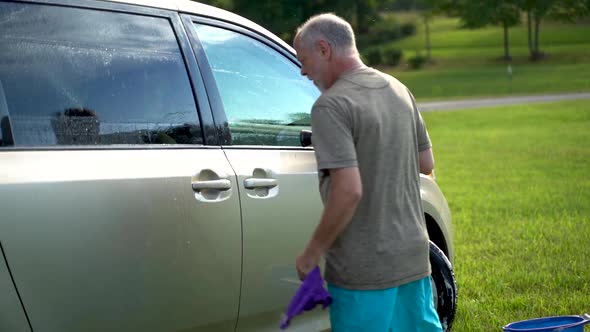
(118,241)
(12,316)
(435,205)
(277,222)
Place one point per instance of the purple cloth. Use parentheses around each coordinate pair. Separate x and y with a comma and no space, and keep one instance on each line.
(310,293)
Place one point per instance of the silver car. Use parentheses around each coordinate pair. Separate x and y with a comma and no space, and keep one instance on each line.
(152,171)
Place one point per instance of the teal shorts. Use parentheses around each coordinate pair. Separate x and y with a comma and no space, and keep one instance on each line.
(405,308)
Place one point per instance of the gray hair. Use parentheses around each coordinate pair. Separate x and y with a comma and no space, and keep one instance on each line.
(333,29)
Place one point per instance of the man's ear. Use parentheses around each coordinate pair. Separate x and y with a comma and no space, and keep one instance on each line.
(324,48)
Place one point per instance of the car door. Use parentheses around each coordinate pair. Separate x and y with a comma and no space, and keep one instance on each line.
(12,315)
(117,210)
(266,103)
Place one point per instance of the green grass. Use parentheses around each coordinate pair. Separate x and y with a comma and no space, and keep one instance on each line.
(566,53)
(517,180)
(493,80)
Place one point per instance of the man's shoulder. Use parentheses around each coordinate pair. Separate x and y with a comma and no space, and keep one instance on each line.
(399,89)
(347,90)
(342,91)
(335,97)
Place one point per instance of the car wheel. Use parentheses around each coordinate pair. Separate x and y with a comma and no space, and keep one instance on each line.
(444,287)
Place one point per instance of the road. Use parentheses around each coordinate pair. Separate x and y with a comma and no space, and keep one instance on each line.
(489,102)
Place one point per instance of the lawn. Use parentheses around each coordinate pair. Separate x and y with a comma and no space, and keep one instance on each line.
(518,185)
(493,80)
(466,62)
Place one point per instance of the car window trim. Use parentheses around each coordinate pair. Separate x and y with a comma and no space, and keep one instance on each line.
(130,147)
(266,147)
(104,6)
(213,95)
(220,23)
(209,134)
(213,92)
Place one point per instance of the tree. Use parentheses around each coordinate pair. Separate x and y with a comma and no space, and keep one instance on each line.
(427,9)
(280,17)
(570,10)
(475,14)
(536,10)
(225,4)
(283,17)
(361,14)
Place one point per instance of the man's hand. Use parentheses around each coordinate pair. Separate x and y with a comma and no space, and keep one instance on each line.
(306,262)
(426,161)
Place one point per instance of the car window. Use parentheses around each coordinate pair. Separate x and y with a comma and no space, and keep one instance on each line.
(265,98)
(71,76)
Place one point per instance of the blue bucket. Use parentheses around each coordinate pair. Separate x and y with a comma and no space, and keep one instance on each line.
(550,324)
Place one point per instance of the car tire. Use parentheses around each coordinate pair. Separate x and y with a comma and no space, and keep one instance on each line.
(444,287)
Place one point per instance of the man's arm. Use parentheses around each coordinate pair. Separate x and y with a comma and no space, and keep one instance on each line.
(426,161)
(346,191)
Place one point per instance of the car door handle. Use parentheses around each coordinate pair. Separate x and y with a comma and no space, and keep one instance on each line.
(253,183)
(221,184)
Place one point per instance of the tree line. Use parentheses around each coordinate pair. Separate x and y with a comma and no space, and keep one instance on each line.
(283,16)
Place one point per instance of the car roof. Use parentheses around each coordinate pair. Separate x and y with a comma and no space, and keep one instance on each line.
(200,9)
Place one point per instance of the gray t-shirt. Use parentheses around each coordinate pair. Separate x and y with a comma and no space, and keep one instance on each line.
(369,119)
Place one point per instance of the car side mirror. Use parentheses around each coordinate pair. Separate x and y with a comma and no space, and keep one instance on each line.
(305,138)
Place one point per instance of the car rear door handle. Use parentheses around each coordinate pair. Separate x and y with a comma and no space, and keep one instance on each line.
(221,184)
(253,183)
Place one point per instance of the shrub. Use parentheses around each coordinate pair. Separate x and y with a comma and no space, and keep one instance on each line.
(416,62)
(407,29)
(373,56)
(363,41)
(385,33)
(391,56)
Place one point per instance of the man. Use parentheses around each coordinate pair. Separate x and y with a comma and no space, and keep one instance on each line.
(370,144)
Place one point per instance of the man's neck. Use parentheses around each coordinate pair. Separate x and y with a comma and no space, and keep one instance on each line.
(345,65)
